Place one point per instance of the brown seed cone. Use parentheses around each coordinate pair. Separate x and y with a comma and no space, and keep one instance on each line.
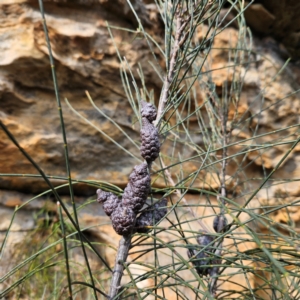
(151,216)
(136,191)
(203,254)
(109,201)
(150,146)
(219,223)
(148,111)
(102,195)
(123,220)
(205,239)
(200,261)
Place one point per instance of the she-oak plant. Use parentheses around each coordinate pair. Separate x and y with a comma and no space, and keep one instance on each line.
(209,260)
(123,217)
(124,212)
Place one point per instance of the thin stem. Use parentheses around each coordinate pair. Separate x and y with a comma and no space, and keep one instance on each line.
(225,135)
(65,141)
(65,245)
(179,40)
(7,232)
(121,257)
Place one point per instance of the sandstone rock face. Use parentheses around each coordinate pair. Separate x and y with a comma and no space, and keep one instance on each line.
(278,18)
(86,59)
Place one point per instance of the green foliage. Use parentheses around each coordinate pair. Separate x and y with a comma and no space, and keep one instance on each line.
(200,126)
(40,266)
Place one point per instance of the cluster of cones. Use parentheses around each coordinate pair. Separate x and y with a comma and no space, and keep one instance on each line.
(125,212)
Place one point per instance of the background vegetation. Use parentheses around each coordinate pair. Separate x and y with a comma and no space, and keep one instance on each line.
(212,148)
